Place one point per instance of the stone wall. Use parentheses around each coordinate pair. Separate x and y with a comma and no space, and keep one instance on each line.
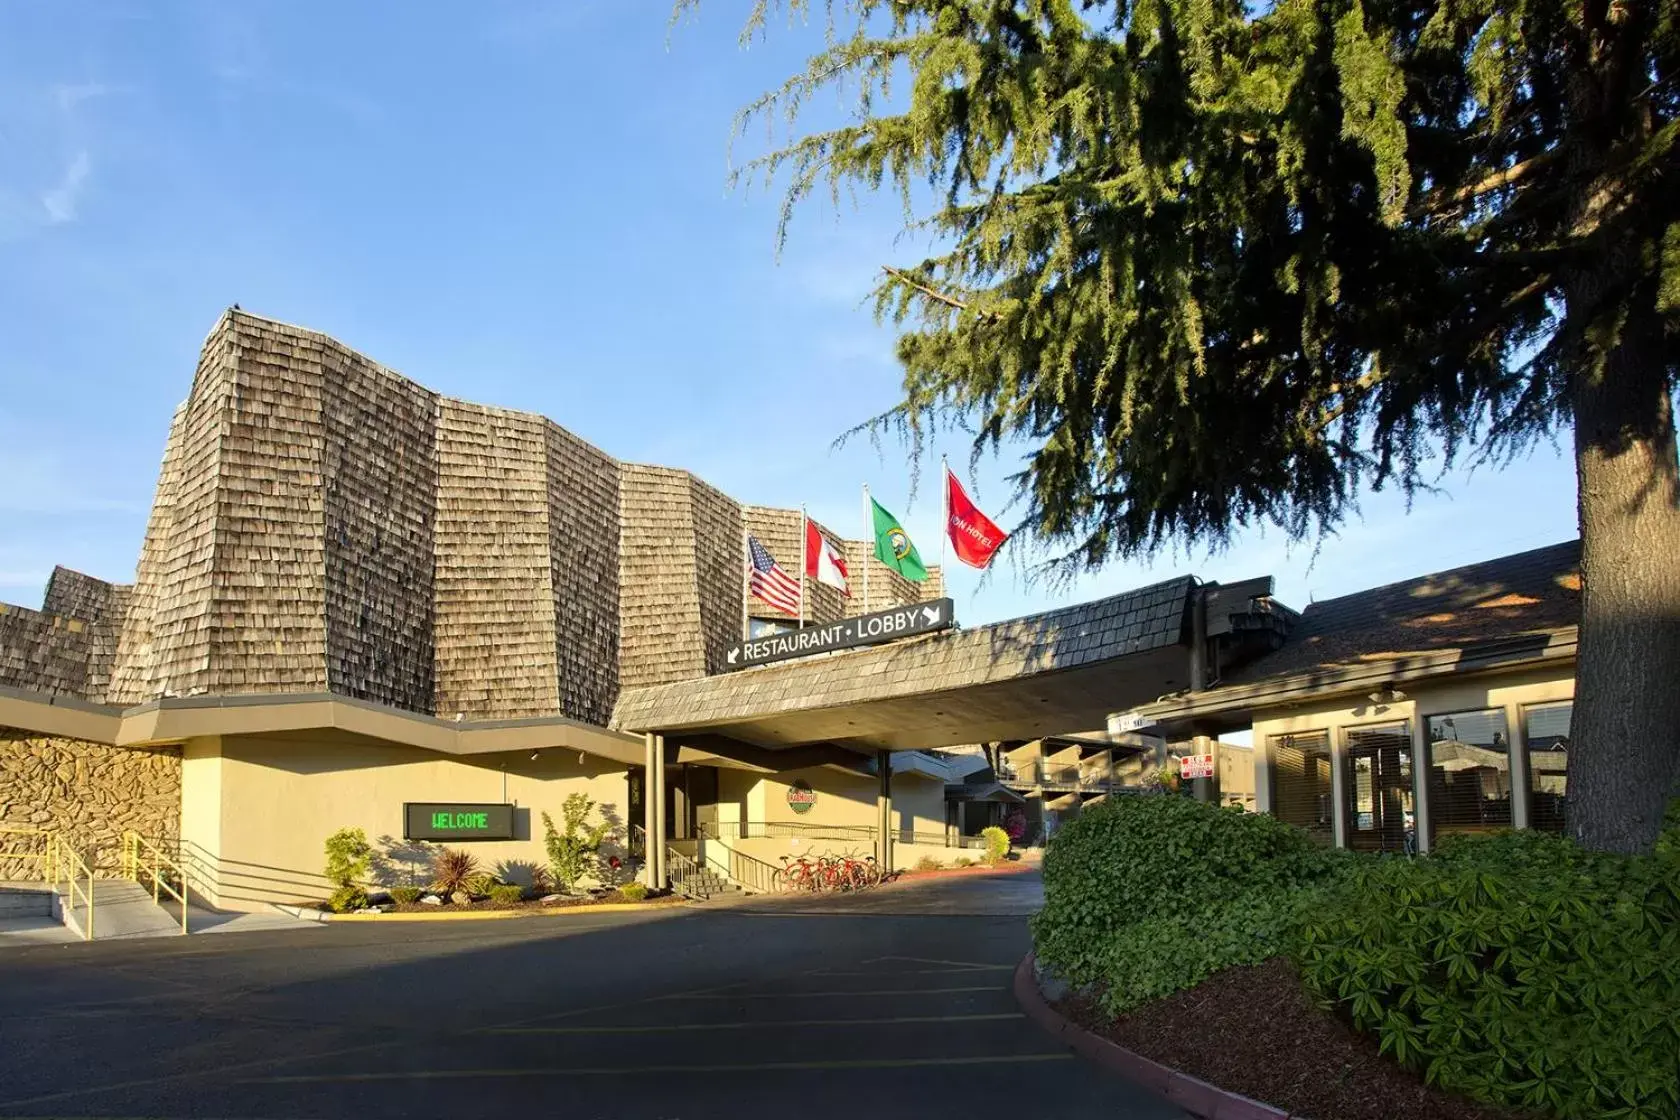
(88,793)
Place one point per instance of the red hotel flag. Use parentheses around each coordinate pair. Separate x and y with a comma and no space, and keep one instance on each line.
(973,535)
(823,561)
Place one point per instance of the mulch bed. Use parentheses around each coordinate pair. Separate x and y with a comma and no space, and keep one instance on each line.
(526,904)
(1254,1030)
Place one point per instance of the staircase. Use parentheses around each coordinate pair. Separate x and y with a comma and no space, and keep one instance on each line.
(691,880)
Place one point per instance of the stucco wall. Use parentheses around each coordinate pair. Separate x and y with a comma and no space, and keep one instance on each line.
(88,792)
(277,800)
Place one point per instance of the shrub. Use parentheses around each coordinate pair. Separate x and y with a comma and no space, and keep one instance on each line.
(633,891)
(349,855)
(571,852)
(347,898)
(963,861)
(1518,969)
(927,863)
(997,843)
(506,894)
(481,884)
(1144,896)
(452,869)
(405,895)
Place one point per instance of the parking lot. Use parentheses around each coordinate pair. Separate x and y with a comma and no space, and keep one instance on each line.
(699,1013)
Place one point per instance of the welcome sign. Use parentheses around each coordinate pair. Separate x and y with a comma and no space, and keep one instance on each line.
(425,820)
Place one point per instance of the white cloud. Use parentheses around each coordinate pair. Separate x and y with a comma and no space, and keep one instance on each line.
(60,202)
(70,95)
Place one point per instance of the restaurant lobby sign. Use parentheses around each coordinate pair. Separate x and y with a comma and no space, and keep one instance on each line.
(864,630)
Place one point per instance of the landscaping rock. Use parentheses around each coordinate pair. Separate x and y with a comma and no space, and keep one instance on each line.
(431,900)
(460,898)
(552,898)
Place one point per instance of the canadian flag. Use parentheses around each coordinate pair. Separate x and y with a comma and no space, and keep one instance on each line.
(823,562)
(974,536)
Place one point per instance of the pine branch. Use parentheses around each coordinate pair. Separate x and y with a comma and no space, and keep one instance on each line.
(1503,178)
(904,277)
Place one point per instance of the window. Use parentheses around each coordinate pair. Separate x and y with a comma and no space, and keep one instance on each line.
(1547,735)
(1301,782)
(1379,788)
(1469,772)
(764,627)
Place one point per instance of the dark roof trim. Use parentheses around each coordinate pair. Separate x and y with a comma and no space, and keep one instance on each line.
(1545,647)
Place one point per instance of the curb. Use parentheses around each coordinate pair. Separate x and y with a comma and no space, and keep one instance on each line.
(310,915)
(1194,1096)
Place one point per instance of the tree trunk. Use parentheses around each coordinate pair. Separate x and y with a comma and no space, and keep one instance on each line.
(1624,758)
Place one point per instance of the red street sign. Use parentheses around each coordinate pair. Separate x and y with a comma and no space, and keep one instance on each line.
(1195,766)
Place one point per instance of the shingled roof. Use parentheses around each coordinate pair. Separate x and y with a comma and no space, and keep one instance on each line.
(1526,593)
(895,682)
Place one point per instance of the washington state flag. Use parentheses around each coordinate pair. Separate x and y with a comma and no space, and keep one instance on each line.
(893,547)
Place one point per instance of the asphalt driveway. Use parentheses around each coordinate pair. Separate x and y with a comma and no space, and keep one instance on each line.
(892,1004)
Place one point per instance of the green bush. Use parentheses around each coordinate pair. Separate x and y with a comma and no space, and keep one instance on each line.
(346,899)
(997,843)
(506,894)
(349,855)
(1147,895)
(453,870)
(571,850)
(405,895)
(480,885)
(1518,969)
(633,891)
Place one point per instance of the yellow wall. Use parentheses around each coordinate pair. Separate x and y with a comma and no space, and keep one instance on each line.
(256,812)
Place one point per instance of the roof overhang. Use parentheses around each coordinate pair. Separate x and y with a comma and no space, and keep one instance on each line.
(175,720)
(1234,705)
(1013,680)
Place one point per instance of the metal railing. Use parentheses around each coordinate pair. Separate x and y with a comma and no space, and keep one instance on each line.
(685,874)
(746,872)
(38,842)
(142,857)
(1061,777)
(939,839)
(73,871)
(803,830)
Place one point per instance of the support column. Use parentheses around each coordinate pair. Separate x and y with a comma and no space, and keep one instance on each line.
(1338,789)
(883,810)
(650,809)
(1205,789)
(1516,735)
(1420,783)
(658,837)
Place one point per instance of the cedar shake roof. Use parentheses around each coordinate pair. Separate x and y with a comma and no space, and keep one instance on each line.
(1526,593)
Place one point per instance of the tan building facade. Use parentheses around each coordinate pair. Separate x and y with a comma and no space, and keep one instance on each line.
(1395,716)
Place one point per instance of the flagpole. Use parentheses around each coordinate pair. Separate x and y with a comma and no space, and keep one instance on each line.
(868,545)
(804,562)
(746,587)
(945,523)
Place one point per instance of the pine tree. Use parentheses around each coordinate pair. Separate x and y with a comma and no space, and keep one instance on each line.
(1216,265)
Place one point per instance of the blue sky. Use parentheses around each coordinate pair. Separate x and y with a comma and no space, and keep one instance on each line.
(517,203)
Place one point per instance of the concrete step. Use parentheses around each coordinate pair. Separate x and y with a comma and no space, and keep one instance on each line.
(121,909)
(25,900)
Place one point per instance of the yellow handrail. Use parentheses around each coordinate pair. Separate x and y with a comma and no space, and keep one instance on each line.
(42,858)
(138,853)
(68,865)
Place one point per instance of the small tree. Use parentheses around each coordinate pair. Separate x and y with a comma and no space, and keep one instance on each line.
(571,852)
(349,855)
(997,843)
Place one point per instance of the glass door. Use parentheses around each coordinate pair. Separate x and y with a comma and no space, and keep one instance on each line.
(1378,782)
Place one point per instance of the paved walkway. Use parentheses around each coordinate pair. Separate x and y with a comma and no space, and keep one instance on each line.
(703,1012)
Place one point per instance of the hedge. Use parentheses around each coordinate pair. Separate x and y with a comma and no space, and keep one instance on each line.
(1146,895)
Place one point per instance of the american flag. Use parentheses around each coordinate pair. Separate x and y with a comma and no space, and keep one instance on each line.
(769,582)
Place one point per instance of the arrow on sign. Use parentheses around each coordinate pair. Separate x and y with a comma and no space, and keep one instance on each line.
(733,655)
(931,614)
